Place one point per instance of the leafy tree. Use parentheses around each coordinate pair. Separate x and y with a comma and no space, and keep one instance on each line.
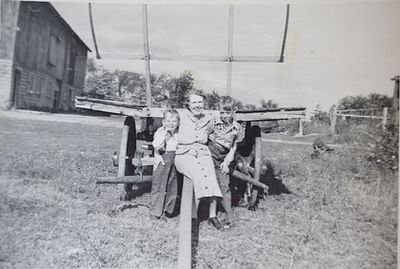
(213,99)
(123,78)
(161,87)
(91,66)
(98,79)
(166,90)
(320,116)
(249,107)
(101,83)
(182,85)
(268,104)
(237,104)
(374,100)
(379,100)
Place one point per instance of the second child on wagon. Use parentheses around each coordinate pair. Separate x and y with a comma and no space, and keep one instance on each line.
(164,187)
(223,143)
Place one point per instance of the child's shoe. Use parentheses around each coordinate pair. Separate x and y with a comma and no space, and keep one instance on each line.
(214,221)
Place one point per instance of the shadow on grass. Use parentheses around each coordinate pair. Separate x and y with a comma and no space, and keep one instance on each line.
(269,177)
(132,192)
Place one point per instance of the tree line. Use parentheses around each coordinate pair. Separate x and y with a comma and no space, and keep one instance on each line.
(166,90)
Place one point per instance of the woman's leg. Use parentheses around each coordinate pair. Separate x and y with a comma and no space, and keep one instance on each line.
(197,202)
(213,208)
(213,220)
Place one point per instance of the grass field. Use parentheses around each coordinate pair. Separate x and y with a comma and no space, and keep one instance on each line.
(342,212)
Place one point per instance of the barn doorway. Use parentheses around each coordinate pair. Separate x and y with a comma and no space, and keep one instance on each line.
(57,96)
(16,84)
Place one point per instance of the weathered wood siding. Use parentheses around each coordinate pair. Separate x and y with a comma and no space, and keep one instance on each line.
(50,58)
(8,25)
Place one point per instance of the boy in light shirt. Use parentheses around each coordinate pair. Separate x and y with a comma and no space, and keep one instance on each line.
(223,143)
(164,186)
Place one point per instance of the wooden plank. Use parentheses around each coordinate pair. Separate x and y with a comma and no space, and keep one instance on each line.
(125,179)
(108,102)
(282,57)
(122,151)
(268,116)
(109,108)
(191,57)
(256,59)
(358,116)
(230,48)
(297,142)
(359,109)
(257,167)
(278,109)
(146,55)
(257,162)
(300,127)
(333,115)
(93,34)
(140,111)
(122,55)
(185,226)
(384,118)
(248,179)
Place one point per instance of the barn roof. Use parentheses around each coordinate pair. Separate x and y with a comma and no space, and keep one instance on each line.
(67,25)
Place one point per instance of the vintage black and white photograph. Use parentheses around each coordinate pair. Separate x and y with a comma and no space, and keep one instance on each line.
(214,134)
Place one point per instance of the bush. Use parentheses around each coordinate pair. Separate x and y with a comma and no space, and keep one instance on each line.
(312,127)
(386,150)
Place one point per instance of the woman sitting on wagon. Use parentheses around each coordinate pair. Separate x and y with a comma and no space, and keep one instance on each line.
(193,157)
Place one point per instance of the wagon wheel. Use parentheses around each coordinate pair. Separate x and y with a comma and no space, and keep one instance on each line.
(256,134)
(126,153)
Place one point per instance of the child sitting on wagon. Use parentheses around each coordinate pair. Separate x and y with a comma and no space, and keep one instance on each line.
(222,144)
(164,187)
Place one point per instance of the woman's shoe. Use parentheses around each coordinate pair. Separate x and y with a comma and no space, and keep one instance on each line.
(214,221)
(227,224)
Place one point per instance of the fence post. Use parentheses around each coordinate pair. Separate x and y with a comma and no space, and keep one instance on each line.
(333,120)
(300,127)
(384,120)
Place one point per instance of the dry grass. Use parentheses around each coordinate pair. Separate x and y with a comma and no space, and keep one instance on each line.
(342,212)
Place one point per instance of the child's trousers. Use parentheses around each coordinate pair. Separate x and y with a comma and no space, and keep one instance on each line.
(164,187)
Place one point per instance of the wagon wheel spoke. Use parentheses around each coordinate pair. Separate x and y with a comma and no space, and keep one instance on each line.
(257,166)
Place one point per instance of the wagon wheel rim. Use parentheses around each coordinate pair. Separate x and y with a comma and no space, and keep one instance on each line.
(127,152)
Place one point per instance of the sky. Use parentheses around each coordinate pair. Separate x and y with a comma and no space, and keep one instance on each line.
(333,49)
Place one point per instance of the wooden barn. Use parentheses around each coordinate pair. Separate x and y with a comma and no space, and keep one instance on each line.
(42,60)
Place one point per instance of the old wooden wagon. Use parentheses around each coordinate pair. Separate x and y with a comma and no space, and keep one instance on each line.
(135,152)
(134,158)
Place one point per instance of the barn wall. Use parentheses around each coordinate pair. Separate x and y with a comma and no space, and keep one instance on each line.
(40,91)
(9,15)
(50,59)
